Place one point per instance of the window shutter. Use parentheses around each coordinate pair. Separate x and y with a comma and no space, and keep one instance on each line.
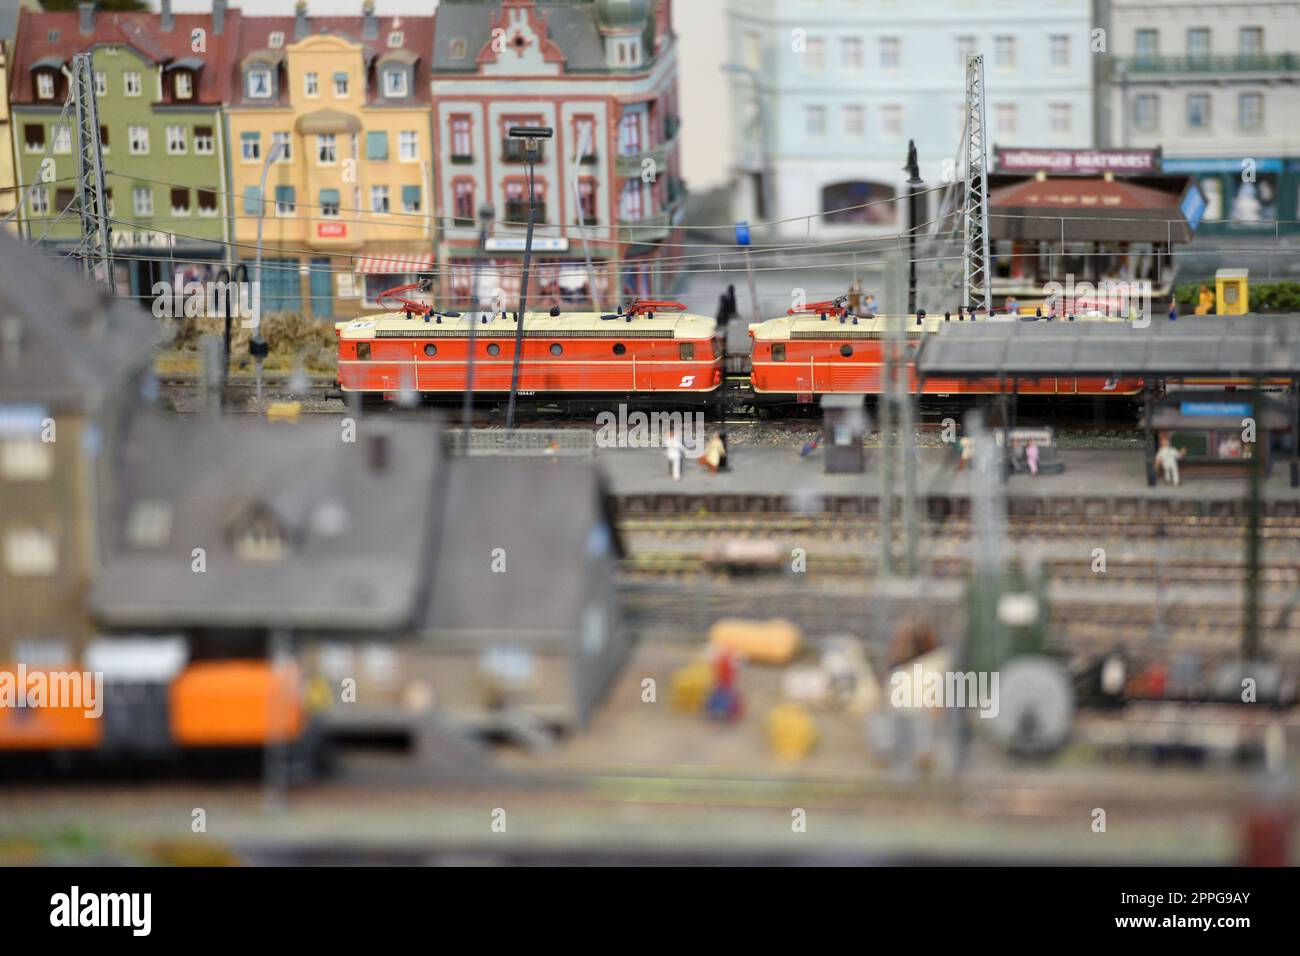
(411,196)
(329,196)
(252,200)
(376,146)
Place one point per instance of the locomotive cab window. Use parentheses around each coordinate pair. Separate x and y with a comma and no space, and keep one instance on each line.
(778,352)
(363,350)
(431,350)
(556,348)
(493,349)
(846,350)
(620,348)
(686,351)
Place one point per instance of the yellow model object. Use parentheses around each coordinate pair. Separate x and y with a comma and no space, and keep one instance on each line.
(1232,291)
(1204,301)
(791,731)
(765,642)
(691,685)
(283,411)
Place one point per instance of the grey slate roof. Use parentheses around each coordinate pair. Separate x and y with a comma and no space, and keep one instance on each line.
(1210,345)
(550,518)
(359,538)
(74,348)
(571,25)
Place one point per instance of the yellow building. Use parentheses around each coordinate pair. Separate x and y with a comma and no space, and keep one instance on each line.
(8,179)
(333,114)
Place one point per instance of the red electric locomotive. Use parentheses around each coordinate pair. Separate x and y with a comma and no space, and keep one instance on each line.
(822,349)
(651,351)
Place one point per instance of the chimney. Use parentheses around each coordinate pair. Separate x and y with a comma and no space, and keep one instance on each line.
(218,17)
(87,17)
(167,21)
(370,23)
(378,448)
(300,26)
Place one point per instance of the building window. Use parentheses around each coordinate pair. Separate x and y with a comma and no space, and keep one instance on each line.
(629,133)
(516,190)
(103,137)
(45,85)
(1146,112)
(30,552)
(408,145)
(1250,41)
(1006,114)
(1250,111)
(326,153)
(176,144)
(63,199)
(180,201)
(584,136)
(462,149)
(587,200)
(142,201)
(340,85)
(631,201)
(101,83)
(251,145)
(204,142)
(285,142)
(34,137)
(458,48)
(259,83)
(26,459)
(63,140)
(311,84)
(285,201)
(207,202)
(965,48)
(275,39)
(410,198)
(138,140)
(184,85)
(1060,50)
(1146,44)
(395,83)
(814,55)
(1198,43)
(815,121)
(131,83)
(890,53)
(329,203)
(1198,111)
(463,201)
(1004,52)
(40,201)
(377,145)
(1062,118)
(855,122)
(395,39)
(891,121)
(851,59)
(379,199)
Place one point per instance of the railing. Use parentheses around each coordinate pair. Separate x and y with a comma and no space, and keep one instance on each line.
(628,165)
(517,211)
(516,151)
(1241,63)
(522,442)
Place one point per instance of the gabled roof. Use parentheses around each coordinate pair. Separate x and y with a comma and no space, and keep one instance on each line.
(141,32)
(70,349)
(359,521)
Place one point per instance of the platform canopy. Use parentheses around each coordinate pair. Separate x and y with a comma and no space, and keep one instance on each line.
(1268,345)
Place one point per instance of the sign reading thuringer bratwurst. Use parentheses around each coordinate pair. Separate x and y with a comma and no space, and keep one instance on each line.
(1082,161)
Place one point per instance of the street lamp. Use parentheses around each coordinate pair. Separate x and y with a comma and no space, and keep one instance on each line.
(531,135)
(914,184)
(257,345)
(485,215)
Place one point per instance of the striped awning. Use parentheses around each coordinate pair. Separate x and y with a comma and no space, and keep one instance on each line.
(394,264)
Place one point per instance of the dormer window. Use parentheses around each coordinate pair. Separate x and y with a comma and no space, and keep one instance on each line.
(260,82)
(184,85)
(276,40)
(396,38)
(395,83)
(45,85)
(52,36)
(458,48)
(258,535)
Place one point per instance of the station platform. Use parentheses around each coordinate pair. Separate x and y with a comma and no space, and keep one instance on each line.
(778,478)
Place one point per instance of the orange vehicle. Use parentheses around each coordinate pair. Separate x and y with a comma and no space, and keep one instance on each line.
(822,350)
(652,349)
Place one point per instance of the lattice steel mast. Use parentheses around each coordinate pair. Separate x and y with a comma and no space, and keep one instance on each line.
(96,232)
(975,203)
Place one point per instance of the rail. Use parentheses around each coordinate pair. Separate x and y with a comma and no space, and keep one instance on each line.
(522,442)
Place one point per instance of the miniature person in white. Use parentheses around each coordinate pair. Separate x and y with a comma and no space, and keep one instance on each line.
(675,451)
(1167,460)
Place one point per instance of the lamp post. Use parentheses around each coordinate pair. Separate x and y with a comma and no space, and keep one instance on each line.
(257,345)
(914,184)
(485,215)
(531,135)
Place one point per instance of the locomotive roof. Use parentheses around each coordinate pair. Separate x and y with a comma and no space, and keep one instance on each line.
(674,325)
(814,327)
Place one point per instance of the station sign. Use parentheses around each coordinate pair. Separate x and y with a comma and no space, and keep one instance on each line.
(331,230)
(1214,409)
(1079,162)
(517,244)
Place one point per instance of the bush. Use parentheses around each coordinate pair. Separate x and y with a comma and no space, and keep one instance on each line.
(1270,297)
